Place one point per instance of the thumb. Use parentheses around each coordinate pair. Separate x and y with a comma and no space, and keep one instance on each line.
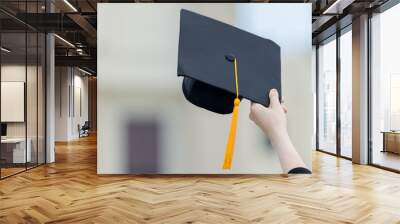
(274,98)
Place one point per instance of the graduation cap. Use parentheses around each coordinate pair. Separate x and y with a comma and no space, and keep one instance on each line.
(222,64)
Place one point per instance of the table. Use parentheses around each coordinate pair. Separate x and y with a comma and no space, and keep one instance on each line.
(17,150)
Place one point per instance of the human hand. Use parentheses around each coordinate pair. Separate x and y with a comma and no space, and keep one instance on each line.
(272,119)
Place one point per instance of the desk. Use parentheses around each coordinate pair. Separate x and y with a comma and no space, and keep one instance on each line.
(16,151)
(391,141)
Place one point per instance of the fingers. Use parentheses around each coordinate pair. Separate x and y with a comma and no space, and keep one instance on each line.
(284,109)
(274,98)
(283,105)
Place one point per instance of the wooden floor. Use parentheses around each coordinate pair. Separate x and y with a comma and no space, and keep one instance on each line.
(5,172)
(69,191)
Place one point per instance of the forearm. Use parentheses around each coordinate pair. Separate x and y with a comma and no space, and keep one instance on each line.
(288,155)
(272,120)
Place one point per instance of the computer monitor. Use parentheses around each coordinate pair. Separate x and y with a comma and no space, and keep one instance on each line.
(3,129)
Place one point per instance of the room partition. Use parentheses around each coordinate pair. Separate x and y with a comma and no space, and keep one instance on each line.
(22,77)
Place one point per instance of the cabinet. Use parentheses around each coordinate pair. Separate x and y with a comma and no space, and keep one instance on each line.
(391,142)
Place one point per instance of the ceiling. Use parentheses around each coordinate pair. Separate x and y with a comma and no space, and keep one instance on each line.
(75,22)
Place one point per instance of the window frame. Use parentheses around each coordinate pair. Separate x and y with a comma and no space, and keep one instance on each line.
(334,37)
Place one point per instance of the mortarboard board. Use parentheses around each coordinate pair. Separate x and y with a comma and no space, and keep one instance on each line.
(222,64)
(208,77)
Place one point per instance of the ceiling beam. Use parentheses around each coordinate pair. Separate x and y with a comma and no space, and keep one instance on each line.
(84,24)
(82,61)
(337,6)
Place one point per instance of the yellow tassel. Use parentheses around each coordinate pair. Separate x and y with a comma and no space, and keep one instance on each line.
(232,136)
(232,132)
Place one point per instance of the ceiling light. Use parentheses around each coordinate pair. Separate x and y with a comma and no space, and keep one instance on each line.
(5,50)
(84,71)
(65,41)
(79,51)
(70,5)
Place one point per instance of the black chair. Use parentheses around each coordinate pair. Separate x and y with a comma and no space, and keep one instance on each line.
(84,130)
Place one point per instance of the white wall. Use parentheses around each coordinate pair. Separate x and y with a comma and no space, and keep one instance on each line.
(80,84)
(67,84)
(61,103)
(137,82)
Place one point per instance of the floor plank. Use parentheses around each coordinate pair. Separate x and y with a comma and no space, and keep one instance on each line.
(70,191)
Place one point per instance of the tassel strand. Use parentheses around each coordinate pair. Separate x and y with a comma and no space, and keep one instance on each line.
(232,132)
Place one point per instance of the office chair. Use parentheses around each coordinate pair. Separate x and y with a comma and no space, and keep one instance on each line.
(84,130)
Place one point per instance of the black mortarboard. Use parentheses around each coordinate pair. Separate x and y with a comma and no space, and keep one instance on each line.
(221,64)
(206,49)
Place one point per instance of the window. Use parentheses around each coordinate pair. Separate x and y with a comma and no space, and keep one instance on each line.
(327,97)
(385,89)
(334,106)
(346,94)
